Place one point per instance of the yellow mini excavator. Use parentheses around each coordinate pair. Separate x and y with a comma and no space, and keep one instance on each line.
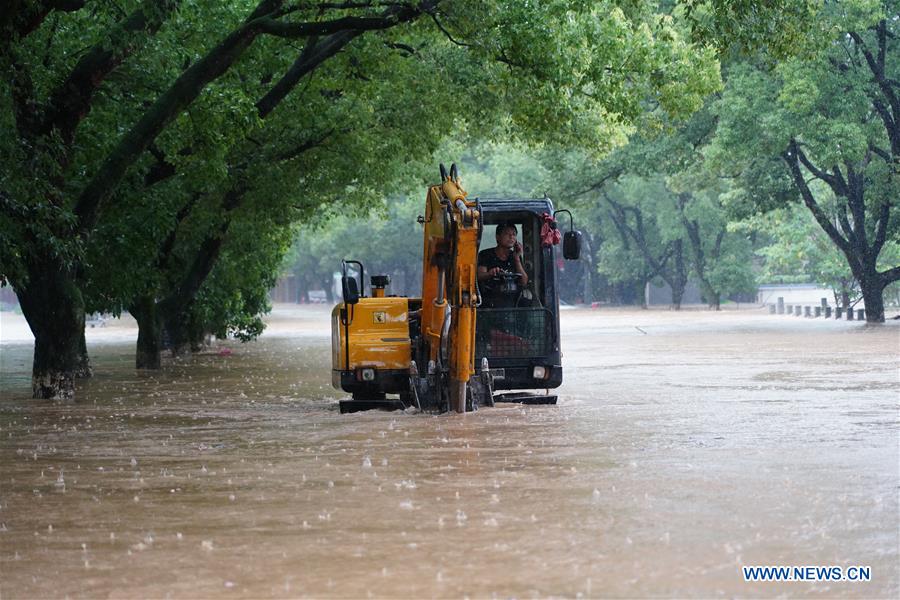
(432,351)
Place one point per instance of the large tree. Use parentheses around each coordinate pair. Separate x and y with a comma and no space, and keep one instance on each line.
(668,207)
(63,171)
(158,105)
(823,128)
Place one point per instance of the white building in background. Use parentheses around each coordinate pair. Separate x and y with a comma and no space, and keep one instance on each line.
(796,293)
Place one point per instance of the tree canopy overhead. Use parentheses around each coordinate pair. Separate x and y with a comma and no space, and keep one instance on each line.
(147,131)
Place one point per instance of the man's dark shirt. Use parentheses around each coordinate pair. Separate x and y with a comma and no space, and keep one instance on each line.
(491,293)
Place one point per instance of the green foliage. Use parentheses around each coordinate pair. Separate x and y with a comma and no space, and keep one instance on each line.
(822,127)
(782,27)
(213,179)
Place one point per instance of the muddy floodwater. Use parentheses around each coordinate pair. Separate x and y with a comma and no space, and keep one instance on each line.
(684,446)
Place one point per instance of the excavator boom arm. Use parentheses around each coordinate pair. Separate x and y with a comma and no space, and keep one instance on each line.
(449,287)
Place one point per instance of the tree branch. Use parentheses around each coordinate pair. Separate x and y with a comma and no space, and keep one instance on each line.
(602,181)
(180,94)
(791,160)
(71,101)
(205,258)
(446,33)
(24,103)
(392,17)
(881,152)
(876,66)
(890,124)
(881,228)
(316,52)
(168,246)
(832,180)
(845,223)
(891,275)
(17,23)
(857,208)
(304,147)
(188,86)
(313,55)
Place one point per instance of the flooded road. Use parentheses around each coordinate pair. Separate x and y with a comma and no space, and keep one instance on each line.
(683,447)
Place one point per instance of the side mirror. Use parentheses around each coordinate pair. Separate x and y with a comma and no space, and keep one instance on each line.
(572,245)
(571,239)
(349,290)
(349,285)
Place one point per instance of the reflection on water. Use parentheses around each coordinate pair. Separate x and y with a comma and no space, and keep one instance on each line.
(673,458)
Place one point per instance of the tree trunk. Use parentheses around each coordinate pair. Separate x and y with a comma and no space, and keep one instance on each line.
(679,276)
(54,308)
(712,297)
(641,292)
(872,289)
(845,298)
(198,336)
(83,370)
(176,327)
(149,342)
(677,295)
(326,285)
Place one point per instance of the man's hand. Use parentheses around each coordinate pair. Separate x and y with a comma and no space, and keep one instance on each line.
(495,271)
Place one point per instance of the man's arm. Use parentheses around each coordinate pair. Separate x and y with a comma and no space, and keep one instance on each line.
(517,262)
(484,273)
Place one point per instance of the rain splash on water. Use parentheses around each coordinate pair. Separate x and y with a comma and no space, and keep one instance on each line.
(683,447)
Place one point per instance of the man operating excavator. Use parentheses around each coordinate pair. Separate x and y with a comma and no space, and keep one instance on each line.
(500,269)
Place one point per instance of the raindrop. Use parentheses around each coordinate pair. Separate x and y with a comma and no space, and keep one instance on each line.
(366,462)
(206,545)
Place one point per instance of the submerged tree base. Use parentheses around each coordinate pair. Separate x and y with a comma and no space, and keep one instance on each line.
(54,385)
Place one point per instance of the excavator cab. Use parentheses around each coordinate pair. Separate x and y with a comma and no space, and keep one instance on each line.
(517,329)
(457,344)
